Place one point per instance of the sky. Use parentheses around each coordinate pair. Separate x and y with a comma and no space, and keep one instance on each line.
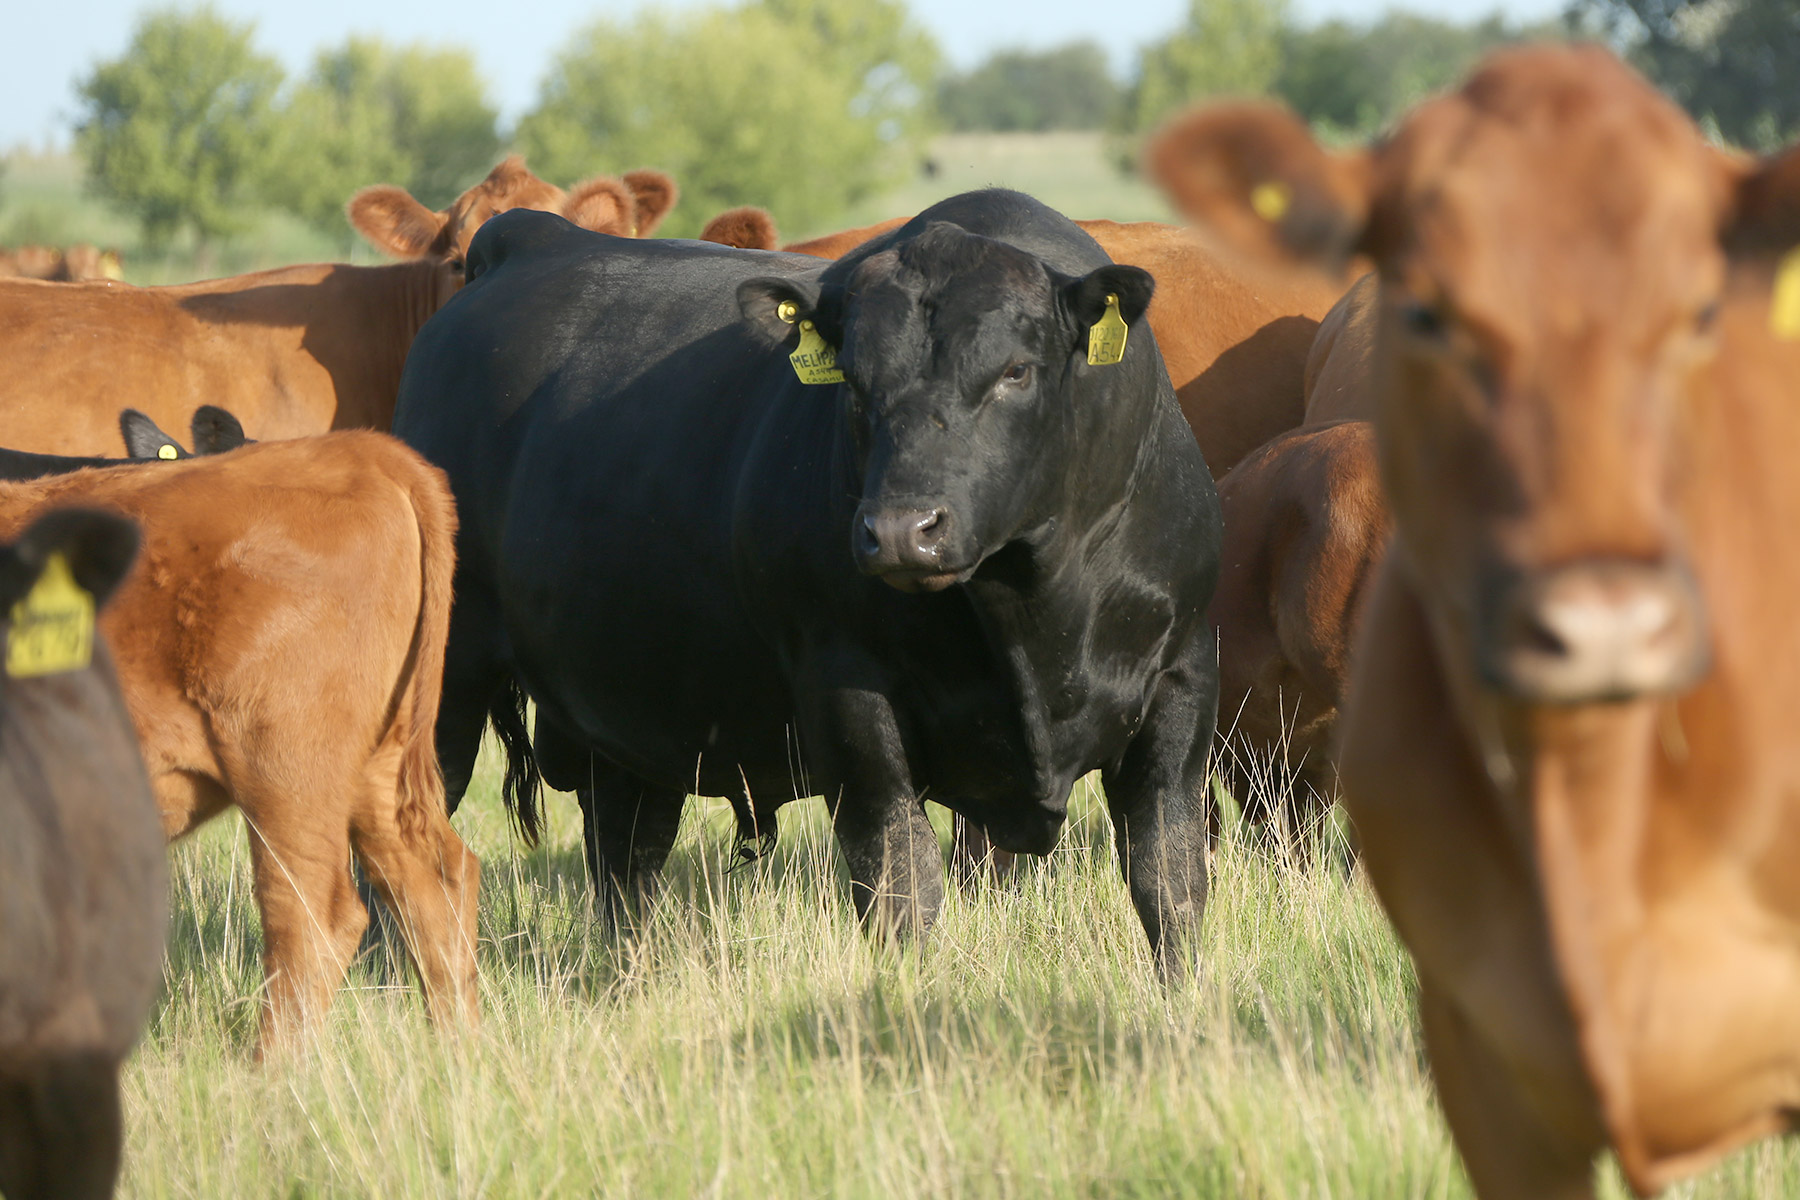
(54,42)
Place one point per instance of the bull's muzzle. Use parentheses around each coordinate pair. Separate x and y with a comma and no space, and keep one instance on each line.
(904,546)
(1595,631)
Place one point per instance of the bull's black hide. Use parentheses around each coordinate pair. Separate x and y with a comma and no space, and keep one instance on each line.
(971,573)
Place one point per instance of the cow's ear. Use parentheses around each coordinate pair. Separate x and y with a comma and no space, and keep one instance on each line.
(745,228)
(1765,213)
(1084,299)
(394,222)
(603,205)
(654,194)
(216,430)
(99,546)
(144,440)
(774,305)
(1252,173)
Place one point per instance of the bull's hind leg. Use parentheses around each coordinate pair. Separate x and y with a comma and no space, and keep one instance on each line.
(628,829)
(312,918)
(61,1129)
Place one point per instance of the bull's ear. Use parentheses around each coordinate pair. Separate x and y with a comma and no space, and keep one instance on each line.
(603,205)
(773,305)
(1252,173)
(99,546)
(746,228)
(394,222)
(653,194)
(1084,299)
(216,430)
(144,440)
(1766,210)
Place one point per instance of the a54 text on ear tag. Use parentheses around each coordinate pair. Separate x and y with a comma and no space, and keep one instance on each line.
(1106,337)
(814,360)
(52,627)
(1784,307)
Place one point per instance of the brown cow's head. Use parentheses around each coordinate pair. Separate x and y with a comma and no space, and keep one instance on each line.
(1551,241)
(395,223)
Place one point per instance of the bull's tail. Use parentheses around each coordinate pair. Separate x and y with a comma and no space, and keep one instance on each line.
(421,782)
(524,783)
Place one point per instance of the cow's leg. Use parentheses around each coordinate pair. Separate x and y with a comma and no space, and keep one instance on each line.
(312,917)
(61,1129)
(1510,1153)
(432,883)
(475,670)
(1157,794)
(973,857)
(628,829)
(896,865)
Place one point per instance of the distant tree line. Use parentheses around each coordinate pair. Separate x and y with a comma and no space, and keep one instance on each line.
(803,106)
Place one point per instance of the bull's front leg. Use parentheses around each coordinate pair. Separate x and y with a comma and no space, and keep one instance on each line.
(1157,794)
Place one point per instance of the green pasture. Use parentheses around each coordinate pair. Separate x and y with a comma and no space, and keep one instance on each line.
(42,201)
(749,1041)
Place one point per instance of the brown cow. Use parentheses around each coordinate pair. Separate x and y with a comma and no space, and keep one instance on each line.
(292,351)
(83,892)
(1568,742)
(280,647)
(1235,343)
(1339,381)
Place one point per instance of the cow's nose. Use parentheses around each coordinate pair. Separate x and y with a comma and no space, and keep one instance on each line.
(906,540)
(1595,631)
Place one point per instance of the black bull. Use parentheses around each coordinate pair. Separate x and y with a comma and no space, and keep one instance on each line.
(972,573)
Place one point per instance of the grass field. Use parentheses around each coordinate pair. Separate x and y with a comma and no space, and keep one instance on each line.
(750,1042)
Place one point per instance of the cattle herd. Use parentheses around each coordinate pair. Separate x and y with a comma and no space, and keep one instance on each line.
(962,507)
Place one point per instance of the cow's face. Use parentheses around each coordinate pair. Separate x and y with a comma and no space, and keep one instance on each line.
(396,223)
(1550,242)
(960,356)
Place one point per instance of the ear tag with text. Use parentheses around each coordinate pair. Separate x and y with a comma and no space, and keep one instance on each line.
(1271,200)
(165,451)
(52,627)
(814,360)
(1784,308)
(1106,337)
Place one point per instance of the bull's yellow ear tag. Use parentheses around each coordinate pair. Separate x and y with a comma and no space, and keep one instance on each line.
(165,451)
(53,626)
(815,361)
(1784,308)
(1106,337)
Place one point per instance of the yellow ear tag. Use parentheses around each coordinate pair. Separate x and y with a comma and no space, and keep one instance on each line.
(1106,337)
(1784,308)
(1271,200)
(166,451)
(52,627)
(814,360)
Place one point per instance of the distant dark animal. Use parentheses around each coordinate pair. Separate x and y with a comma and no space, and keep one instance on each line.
(83,894)
(972,572)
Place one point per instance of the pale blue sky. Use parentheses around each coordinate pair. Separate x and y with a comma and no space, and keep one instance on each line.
(52,42)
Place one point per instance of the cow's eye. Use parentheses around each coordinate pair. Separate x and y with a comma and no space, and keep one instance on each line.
(1018,375)
(1423,320)
(1706,317)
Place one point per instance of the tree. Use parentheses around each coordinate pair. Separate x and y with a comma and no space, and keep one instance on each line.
(178,130)
(1226,48)
(369,113)
(1067,87)
(1728,61)
(741,105)
(890,58)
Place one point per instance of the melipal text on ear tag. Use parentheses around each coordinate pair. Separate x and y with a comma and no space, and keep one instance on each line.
(814,361)
(1106,337)
(52,627)
(1784,307)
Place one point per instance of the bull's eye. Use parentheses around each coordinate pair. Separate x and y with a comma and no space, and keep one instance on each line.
(1422,320)
(1017,375)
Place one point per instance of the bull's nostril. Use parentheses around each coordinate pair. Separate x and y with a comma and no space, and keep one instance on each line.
(930,520)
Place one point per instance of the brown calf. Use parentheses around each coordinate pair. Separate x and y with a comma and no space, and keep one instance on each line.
(82,884)
(292,351)
(1235,343)
(280,647)
(1568,743)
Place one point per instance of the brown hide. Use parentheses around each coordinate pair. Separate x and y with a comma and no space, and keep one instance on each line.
(280,648)
(1339,368)
(1235,342)
(1593,869)
(84,897)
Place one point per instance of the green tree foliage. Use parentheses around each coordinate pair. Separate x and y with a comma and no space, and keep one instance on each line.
(742,106)
(890,57)
(1732,62)
(370,113)
(1067,87)
(1225,48)
(178,130)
